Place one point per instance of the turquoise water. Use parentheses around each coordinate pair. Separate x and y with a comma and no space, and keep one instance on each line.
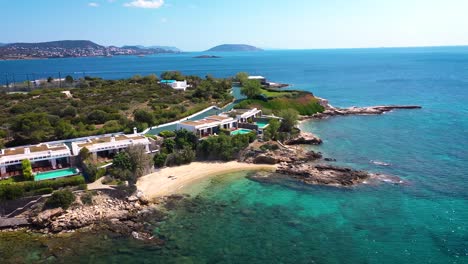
(261,124)
(55,174)
(240,131)
(235,220)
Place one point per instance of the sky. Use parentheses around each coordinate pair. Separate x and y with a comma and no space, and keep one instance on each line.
(195,25)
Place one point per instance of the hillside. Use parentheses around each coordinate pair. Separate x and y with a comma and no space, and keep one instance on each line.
(70,48)
(65,44)
(100,106)
(234,47)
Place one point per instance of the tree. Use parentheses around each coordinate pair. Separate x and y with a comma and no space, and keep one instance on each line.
(63,198)
(69,79)
(122,161)
(251,88)
(290,118)
(272,129)
(50,79)
(242,77)
(143,116)
(27,170)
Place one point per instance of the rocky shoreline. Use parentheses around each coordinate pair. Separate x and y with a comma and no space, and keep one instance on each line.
(110,210)
(307,167)
(369,110)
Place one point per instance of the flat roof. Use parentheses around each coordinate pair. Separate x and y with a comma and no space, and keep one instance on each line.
(33,149)
(256,77)
(107,139)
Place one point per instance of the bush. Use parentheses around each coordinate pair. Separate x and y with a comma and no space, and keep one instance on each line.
(63,198)
(180,157)
(167,134)
(43,191)
(16,190)
(87,198)
(83,187)
(160,160)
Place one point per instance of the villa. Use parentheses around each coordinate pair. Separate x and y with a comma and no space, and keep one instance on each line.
(209,125)
(261,79)
(43,157)
(176,85)
(105,146)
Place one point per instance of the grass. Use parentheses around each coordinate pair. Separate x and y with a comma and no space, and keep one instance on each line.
(304,103)
(11,180)
(273,93)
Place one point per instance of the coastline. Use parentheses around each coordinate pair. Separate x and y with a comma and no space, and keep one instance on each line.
(172,180)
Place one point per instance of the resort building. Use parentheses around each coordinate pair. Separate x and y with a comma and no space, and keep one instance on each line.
(176,85)
(246,115)
(209,125)
(261,79)
(105,146)
(43,157)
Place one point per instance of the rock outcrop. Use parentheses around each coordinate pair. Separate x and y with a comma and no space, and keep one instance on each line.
(304,138)
(324,174)
(370,110)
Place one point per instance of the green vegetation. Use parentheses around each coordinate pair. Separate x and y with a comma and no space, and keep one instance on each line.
(224,147)
(289,119)
(131,164)
(271,132)
(167,134)
(27,170)
(270,93)
(304,103)
(251,88)
(63,198)
(19,189)
(104,106)
(87,198)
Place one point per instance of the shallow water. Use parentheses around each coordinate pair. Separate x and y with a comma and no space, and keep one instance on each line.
(235,220)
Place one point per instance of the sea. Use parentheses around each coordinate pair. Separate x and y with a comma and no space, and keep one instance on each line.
(231,219)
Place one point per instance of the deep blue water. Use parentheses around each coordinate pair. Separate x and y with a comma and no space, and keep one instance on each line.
(424,221)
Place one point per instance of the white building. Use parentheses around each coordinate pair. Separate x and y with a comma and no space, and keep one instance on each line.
(209,125)
(106,145)
(176,85)
(243,115)
(261,79)
(41,155)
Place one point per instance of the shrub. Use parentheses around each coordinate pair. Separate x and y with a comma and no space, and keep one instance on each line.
(63,198)
(87,198)
(43,191)
(11,191)
(160,160)
(83,187)
(167,134)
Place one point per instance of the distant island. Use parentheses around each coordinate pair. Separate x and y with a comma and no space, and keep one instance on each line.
(234,47)
(73,48)
(207,57)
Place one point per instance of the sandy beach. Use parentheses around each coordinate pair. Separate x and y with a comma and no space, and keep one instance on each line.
(172,180)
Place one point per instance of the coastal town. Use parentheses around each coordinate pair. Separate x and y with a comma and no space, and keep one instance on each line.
(71,48)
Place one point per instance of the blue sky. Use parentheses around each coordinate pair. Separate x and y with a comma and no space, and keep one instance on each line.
(200,24)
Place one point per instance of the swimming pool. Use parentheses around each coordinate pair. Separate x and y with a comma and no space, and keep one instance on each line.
(240,131)
(262,124)
(55,174)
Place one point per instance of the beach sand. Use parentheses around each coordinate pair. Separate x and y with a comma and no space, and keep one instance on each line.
(172,180)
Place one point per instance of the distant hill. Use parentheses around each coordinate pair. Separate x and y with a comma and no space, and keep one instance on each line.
(3,44)
(71,48)
(234,47)
(64,44)
(165,49)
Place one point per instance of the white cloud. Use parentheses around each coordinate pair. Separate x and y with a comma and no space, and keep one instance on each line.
(93,4)
(145,3)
